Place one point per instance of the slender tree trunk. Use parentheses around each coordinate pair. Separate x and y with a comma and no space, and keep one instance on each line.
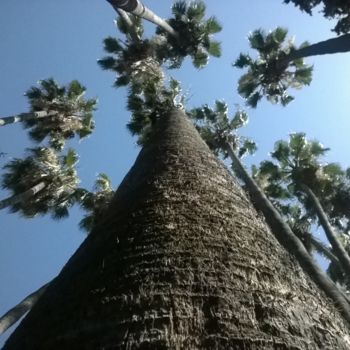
(330,46)
(338,248)
(22,196)
(321,248)
(15,314)
(25,116)
(181,260)
(286,237)
(138,9)
(131,27)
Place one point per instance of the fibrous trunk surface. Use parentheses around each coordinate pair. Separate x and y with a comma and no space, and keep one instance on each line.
(181,261)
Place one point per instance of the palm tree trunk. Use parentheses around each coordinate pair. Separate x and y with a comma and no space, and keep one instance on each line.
(322,249)
(138,9)
(338,248)
(125,16)
(286,237)
(330,46)
(25,116)
(22,196)
(17,312)
(181,260)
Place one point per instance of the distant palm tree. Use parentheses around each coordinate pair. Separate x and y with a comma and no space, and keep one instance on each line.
(267,76)
(299,169)
(40,183)
(56,113)
(217,129)
(280,65)
(95,203)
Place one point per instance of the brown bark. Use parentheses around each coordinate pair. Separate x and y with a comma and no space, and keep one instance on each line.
(181,261)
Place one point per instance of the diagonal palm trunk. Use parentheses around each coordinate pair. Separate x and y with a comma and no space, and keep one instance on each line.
(22,197)
(330,46)
(25,116)
(286,237)
(138,9)
(181,260)
(17,312)
(338,248)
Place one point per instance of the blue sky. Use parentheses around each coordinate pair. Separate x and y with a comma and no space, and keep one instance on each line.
(62,39)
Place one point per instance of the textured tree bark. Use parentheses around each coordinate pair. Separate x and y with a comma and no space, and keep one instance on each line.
(15,314)
(22,196)
(25,116)
(181,261)
(330,46)
(138,9)
(338,248)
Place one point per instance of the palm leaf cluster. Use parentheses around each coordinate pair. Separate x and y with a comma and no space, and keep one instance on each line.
(135,62)
(56,172)
(150,105)
(73,112)
(194,34)
(271,74)
(218,129)
(331,9)
(95,203)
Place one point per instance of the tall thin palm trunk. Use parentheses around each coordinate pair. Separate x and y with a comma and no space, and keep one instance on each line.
(181,260)
(330,46)
(25,116)
(286,237)
(131,27)
(338,248)
(322,249)
(17,312)
(138,9)
(22,197)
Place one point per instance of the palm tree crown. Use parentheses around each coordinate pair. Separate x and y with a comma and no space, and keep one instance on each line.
(73,113)
(194,34)
(43,165)
(217,129)
(95,203)
(332,9)
(271,74)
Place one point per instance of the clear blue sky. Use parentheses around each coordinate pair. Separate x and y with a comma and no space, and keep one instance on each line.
(62,39)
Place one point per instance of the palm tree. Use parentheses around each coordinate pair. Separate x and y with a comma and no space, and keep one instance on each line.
(271,74)
(181,260)
(57,113)
(187,34)
(40,183)
(138,9)
(339,10)
(300,169)
(216,129)
(279,65)
(135,62)
(96,203)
